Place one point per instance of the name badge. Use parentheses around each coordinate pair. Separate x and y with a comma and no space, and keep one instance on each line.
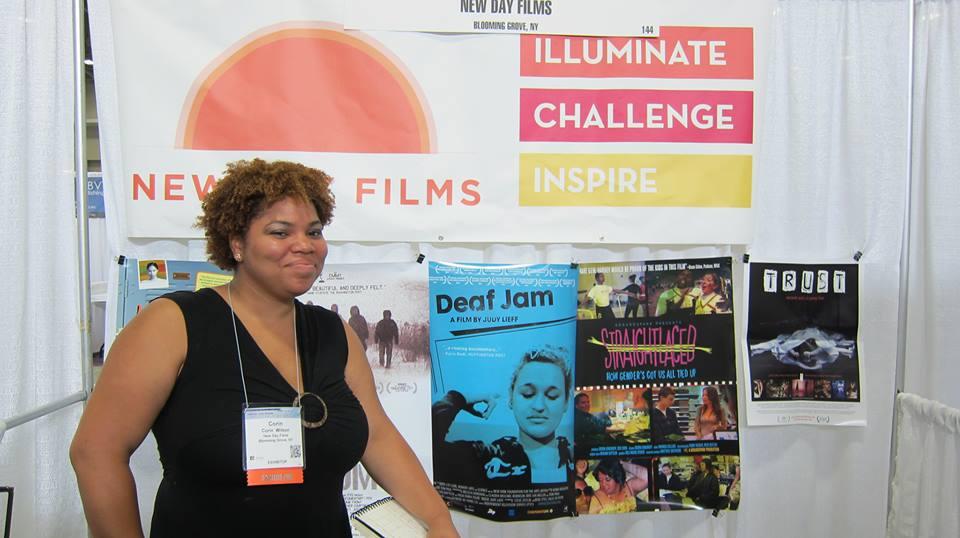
(272,445)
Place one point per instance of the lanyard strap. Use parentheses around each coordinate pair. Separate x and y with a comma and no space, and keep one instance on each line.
(296,354)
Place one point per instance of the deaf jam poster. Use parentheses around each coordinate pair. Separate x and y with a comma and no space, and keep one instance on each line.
(656,416)
(502,341)
(803,360)
(386,306)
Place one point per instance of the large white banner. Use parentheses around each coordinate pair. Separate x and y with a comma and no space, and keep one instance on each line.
(465,138)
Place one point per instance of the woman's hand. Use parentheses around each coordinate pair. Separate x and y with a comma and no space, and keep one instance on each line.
(481,405)
(443,530)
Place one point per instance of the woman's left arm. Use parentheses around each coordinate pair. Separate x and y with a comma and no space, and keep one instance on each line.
(388,458)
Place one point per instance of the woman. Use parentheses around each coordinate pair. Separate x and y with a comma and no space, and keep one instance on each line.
(152,276)
(585,491)
(733,490)
(539,394)
(620,483)
(710,417)
(152,271)
(711,299)
(193,366)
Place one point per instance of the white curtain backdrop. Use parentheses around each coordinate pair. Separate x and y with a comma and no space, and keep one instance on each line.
(925,485)
(39,332)
(931,367)
(830,180)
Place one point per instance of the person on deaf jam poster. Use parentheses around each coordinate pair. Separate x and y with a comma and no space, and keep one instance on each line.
(502,341)
(658,386)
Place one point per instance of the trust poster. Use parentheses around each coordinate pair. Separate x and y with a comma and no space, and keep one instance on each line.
(502,342)
(385,304)
(803,359)
(656,420)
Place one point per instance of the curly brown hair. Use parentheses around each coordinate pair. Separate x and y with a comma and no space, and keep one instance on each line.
(249,187)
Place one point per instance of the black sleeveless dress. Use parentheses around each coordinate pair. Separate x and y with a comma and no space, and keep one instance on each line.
(199,436)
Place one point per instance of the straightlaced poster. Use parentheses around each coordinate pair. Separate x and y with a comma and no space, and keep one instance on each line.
(655,418)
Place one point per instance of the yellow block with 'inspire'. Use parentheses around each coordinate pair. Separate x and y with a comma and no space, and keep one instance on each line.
(635,180)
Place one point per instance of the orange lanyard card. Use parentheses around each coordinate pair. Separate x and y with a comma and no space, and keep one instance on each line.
(272,445)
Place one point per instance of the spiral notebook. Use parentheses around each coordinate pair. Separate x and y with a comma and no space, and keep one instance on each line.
(386,518)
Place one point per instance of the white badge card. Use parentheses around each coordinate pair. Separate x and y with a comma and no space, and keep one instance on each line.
(272,445)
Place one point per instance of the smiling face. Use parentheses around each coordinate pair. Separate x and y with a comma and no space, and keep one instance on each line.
(283,249)
(607,484)
(708,284)
(538,400)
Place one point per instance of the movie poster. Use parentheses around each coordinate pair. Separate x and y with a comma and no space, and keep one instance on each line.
(143,280)
(502,340)
(386,306)
(655,418)
(803,361)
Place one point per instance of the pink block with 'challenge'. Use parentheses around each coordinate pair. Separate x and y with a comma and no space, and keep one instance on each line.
(702,116)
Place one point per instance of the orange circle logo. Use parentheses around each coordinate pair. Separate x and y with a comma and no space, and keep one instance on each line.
(307,87)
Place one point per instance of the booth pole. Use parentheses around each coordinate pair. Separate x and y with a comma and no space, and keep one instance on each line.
(80,166)
(904,253)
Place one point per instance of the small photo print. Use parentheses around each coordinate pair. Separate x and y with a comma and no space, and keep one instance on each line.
(821,389)
(611,417)
(853,391)
(707,412)
(801,388)
(777,388)
(838,389)
(612,485)
(153,274)
(696,482)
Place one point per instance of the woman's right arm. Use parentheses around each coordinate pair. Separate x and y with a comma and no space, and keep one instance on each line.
(136,381)
(638,480)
